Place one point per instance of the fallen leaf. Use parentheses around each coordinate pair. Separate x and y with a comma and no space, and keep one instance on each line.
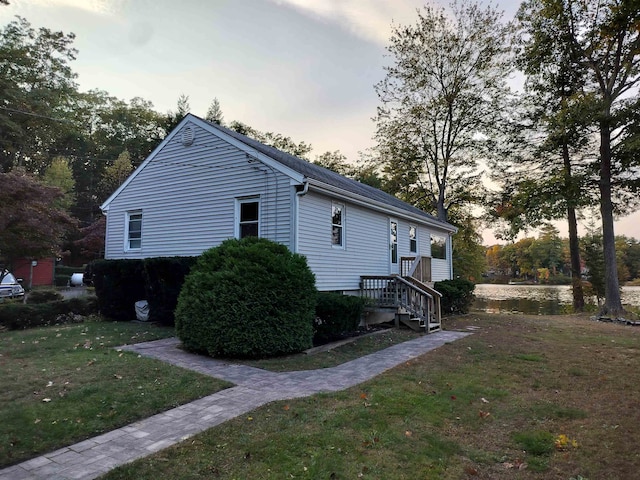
(50,384)
(483,414)
(46,400)
(37,420)
(408,433)
(286,407)
(471,471)
(363,396)
(484,400)
(453,397)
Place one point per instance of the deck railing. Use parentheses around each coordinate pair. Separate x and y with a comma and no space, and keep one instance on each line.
(379,289)
(416,267)
(409,294)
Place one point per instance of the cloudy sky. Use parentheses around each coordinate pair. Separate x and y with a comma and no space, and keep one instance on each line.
(302,68)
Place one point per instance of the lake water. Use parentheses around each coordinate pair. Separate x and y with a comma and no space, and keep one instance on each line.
(536,299)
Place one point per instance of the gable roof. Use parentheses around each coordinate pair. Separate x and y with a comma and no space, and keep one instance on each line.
(294,167)
(329,177)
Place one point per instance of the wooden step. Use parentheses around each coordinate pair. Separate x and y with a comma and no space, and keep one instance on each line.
(413,323)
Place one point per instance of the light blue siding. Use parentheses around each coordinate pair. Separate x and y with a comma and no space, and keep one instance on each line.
(187,196)
(366,249)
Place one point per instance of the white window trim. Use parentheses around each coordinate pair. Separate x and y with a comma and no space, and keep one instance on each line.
(239,202)
(343,236)
(127,240)
(415,239)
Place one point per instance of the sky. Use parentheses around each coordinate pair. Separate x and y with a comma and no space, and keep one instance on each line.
(302,68)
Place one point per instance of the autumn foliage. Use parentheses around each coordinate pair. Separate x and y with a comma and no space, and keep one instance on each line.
(31,225)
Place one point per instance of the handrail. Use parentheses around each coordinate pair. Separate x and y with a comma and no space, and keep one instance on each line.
(424,286)
(419,299)
(415,287)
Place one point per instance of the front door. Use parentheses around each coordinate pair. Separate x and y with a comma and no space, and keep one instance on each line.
(393,247)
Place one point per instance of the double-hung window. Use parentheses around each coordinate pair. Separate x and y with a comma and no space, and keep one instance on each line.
(413,239)
(133,234)
(337,225)
(248,218)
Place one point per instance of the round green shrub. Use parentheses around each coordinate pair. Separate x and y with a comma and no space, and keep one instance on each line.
(247,298)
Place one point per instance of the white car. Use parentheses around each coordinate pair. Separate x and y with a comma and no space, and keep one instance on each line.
(10,286)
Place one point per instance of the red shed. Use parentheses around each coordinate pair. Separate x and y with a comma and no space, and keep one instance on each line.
(42,273)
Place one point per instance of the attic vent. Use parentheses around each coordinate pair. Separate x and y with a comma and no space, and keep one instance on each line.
(187,136)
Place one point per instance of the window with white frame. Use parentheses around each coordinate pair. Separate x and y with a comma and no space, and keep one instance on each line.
(248,218)
(337,225)
(413,239)
(133,234)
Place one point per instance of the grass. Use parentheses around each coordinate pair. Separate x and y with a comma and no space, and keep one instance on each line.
(495,405)
(63,384)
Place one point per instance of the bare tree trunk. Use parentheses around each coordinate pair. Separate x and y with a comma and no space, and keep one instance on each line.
(612,303)
(574,245)
(574,253)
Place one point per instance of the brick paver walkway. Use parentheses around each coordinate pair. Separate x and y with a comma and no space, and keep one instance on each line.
(254,387)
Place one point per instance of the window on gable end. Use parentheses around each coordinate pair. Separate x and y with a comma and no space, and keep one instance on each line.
(248,218)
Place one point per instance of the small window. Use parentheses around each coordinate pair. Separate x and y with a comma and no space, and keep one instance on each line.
(393,239)
(413,239)
(134,231)
(249,218)
(337,225)
(438,247)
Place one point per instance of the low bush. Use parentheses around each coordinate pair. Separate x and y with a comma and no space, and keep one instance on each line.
(63,270)
(457,295)
(61,280)
(247,298)
(119,284)
(18,316)
(336,314)
(43,296)
(163,278)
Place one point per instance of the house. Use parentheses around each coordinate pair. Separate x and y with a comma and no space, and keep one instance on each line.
(205,183)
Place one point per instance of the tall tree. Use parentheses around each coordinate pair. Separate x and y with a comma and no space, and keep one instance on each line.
(173,118)
(59,174)
(550,180)
(442,99)
(276,140)
(604,39)
(36,89)
(214,113)
(114,175)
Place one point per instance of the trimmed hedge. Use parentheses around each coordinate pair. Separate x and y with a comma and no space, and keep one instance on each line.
(457,295)
(18,316)
(164,277)
(336,314)
(43,296)
(119,284)
(63,270)
(247,298)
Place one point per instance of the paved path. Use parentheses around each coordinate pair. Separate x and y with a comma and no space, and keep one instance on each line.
(254,387)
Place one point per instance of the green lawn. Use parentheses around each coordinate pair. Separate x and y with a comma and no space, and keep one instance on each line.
(490,406)
(63,384)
